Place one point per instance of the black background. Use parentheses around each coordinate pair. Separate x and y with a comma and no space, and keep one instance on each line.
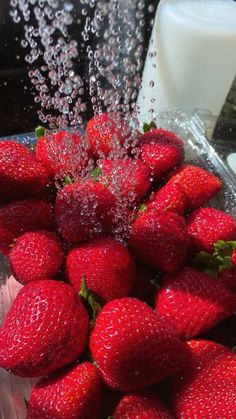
(18,111)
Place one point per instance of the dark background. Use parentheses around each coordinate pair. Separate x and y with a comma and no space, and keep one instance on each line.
(18,111)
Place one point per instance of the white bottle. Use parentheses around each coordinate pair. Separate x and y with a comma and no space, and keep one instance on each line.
(191,61)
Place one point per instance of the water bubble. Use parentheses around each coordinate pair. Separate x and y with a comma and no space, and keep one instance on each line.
(68,6)
(151,8)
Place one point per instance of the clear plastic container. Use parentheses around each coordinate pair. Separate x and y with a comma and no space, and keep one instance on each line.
(15,390)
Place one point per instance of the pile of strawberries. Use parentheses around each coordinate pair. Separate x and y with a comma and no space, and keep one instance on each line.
(128,274)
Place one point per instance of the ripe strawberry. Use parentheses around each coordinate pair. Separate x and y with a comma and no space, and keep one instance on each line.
(106,133)
(133,347)
(199,185)
(45,329)
(228,278)
(207,388)
(206,226)
(21,174)
(21,216)
(193,302)
(142,406)
(84,211)
(233,258)
(129,179)
(160,150)
(160,240)
(36,255)
(62,152)
(107,265)
(73,393)
(171,197)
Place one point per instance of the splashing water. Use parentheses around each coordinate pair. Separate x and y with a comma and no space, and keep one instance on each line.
(112,43)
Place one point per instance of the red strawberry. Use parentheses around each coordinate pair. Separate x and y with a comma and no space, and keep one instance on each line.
(171,197)
(160,240)
(36,255)
(84,211)
(199,185)
(233,258)
(62,152)
(74,393)
(133,347)
(193,302)
(207,388)
(142,406)
(206,226)
(106,133)
(107,265)
(228,278)
(21,174)
(18,217)
(45,329)
(160,150)
(129,179)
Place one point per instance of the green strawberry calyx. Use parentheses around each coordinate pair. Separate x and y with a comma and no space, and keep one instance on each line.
(142,208)
(90,298)
(39,131)
(68,180)
(96,173)
(149,126)
(219,260)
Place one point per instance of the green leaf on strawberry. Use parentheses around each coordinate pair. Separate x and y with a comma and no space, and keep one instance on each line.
(90,298)
(68,180)
(96,173)
(149,126)
(213,264)
(142,207)
(39,131)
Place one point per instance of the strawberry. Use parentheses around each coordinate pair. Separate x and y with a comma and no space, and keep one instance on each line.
(45,329)
(193,302)
(160,150)
(21,174)
(107,265)
(207,388)
(74,393)
(106,133)
(233,258)
(84,211)
(133,347)
(142,406)
(206,226)
(228,278)
(62,152)
(198,184)
(21,216)
(36,255)
(127,178)
(171,197)
(160,240)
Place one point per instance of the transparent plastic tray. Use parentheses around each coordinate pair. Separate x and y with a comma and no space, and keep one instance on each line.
(15,390)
